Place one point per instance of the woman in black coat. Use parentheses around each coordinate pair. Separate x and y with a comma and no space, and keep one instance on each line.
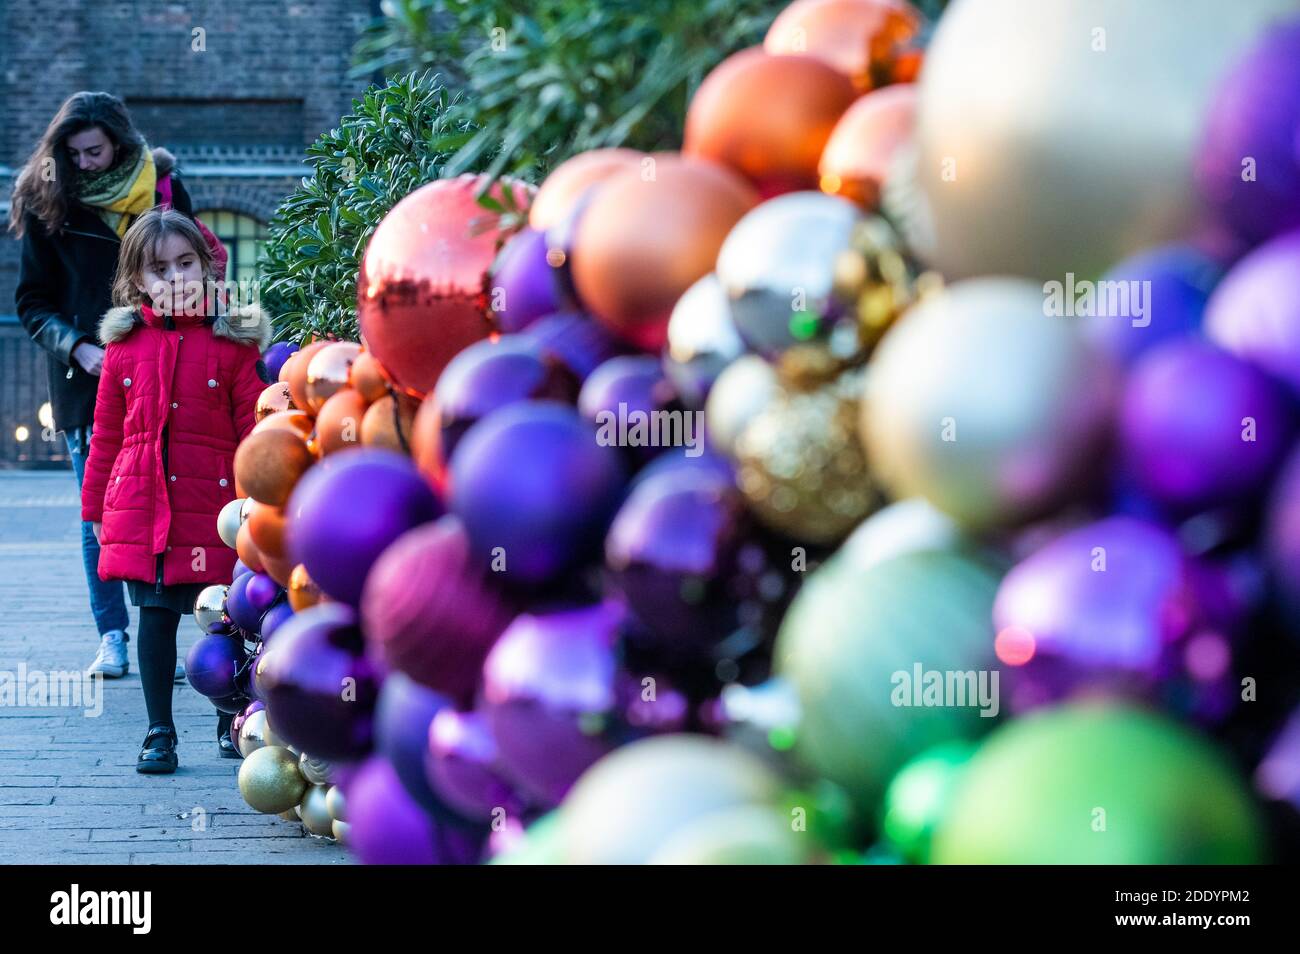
(90,176)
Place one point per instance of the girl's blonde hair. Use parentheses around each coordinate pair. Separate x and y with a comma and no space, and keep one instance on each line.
(140,246)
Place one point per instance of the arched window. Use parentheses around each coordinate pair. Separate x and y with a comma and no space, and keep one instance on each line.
(242,235)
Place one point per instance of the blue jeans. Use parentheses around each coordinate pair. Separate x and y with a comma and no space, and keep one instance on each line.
(107,602)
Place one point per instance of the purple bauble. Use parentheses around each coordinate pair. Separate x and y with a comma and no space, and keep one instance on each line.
(1176,281)
(1113,606)
(1278,776)
(319,687)
(672,553)
(231,704)
(522,282)
(239,610)
(212,664)
(708,463)
(431,610)
(275,617)
(240,569)
(1200,428)
(490,374)
(388,827)
(560,238)
(254,692)
(402,718)
(1255,116)
(575,340)
(347,509)
(1255,311)
(534,490)
(461,763)
(275,356)
(549,687)
(1282,534)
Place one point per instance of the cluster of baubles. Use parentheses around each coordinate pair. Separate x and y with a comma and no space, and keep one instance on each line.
(511,625)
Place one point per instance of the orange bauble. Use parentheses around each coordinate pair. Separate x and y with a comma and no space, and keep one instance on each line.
(247,549)
(873,42)
(303,591)
(295,421)
(422,291)
(277,568)
(338,425)
(297,366)
(767,117)
(426,442)
(571,178)
(379,428)
(861,148)
(286,369)
(648,235)
(327,373)
(266,527)
(367,377)
(268,465)
(275,398)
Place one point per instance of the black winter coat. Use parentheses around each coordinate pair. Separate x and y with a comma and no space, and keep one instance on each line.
(65,284)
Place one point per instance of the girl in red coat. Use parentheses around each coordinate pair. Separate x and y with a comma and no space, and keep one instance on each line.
(176,395)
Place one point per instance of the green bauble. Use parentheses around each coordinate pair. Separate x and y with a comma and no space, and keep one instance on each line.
(541,844)
(628,805)
(920,797)
(853,644)
(742,835)
(1099,783)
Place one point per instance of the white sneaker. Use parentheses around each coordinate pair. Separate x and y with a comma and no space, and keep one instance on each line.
(111,659)
(179,675)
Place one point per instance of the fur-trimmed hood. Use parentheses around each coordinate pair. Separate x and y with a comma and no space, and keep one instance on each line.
(246,324)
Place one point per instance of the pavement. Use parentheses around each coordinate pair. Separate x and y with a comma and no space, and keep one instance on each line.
(69,792)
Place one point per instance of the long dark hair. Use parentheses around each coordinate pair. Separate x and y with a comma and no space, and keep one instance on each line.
(41,194)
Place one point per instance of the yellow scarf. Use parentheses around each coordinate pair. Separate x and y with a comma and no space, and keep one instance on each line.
(122,192)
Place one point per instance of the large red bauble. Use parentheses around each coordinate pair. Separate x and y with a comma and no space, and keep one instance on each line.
(858,155)
(422,293)
(873,42)
(768,117)
(648,235)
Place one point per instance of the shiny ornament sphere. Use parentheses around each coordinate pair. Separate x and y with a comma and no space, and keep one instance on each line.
(303,592)
(421,294)
(229,520)
(266,528)
(534,490)
(295,372)
(1006,83)
(869,41)
(247,550)
(743,390)
(336,803)
(274,399)
(296,422)
(367,377)
(269,780)
(522,287)
(252,734)
(387,827)
(313,812)
(339,423)
(388,423)
(767,117)
(462,766)
(314,770)
(702,341)
(981,404)
(647,236)
(212,664)
(572,178)
(269,464)
(1042,788)
(839,647)
(860,153)
(274,618)
(328,370)
(630,803)
(341,517)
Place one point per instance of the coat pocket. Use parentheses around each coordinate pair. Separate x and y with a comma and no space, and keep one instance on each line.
(114,482)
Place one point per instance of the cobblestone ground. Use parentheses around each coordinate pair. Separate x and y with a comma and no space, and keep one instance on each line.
(69,792)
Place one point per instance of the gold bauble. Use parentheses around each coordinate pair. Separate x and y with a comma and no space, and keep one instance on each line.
(270,734)
(801,466)
(1059,137)
(303,591)
(270,781)
(313,812)
(340,831)
(328,372)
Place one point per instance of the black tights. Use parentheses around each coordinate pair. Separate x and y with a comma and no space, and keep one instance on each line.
(156,649)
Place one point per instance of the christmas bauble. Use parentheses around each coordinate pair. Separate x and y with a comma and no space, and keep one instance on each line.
(743,390)
(268,465)
(274,618)
(647,236)
(421,292)
(402,716)
(702,341)
(1254,312)
(862,147)
(275,356)
(339,421)
(303,591)
(431,610)
(920,797)
(275,398)
(522,287)
(270,781)
(1200,428)
(212,662)
(252,733)
(573,339)
(978,402)
(767,117)
(898,653)
(311,809)
(314,770)
(630,803)
(229,520)
(869,41)
(388,423)
(573,177)
(343,516)
(462,766)
(534,490)
(1099,784)
(367,377)
(737,835)
(328,370)
(1005,83)
(387,827)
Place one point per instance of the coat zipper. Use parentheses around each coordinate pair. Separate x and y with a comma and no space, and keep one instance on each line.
(167,326)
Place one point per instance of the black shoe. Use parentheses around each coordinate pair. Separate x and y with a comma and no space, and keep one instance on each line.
(224,742)
(158,754)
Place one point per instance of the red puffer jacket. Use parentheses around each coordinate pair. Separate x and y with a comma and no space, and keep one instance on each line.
(188,392)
